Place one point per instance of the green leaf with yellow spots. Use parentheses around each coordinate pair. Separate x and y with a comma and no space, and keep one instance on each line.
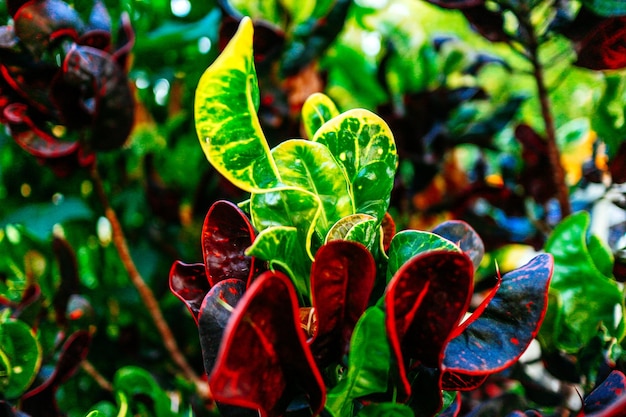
(363,143)
(317,110)
(226,103)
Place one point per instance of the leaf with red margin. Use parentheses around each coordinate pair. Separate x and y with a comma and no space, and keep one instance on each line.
(215,311)
(189,283)
(496,339)
(463,235)
(41,401)
(605,398)
(264,361)
(425,301)
(342,279)
(226,234)
(453,409)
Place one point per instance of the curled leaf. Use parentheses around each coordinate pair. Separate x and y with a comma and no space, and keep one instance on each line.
(189,283)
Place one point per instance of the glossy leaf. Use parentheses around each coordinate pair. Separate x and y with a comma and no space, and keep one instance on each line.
(317,110)
(342,278)
(368,364)
(214,313)
(311,167)
(587,296)
(189,283)
(281,247)
(498,336)
(425,301)
(264,361)
(386,410)
(21,357)
(41,401)
(363,143)
(137,385)
(227,98)
(343,226)
(605,395)
(226,234)
(368,234)
(287,207)
(465,237)
(409,243)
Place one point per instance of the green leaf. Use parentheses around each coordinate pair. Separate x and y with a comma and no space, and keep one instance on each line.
(21,354)
(311,167)
(386,410)
(132,383)
(587,296)
(317,110)
(281,247)
(363,143)
(408,243)
(226,102)
(607,8)
(366,233)
(368,364)
(289,207)
(343,226)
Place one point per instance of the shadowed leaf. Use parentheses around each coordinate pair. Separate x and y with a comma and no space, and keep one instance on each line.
(463,235)
(189,283)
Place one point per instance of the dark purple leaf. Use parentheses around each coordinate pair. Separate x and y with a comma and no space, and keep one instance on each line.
(37,23)
(7,411)
(125,42)
(264,361)
(494,340)
(214,313)
(605,395)
(536,165)
(425,301)
(617,167)
(463,235)
(41,401)
(226,234)
(342,279)
(189,283)
(99,18)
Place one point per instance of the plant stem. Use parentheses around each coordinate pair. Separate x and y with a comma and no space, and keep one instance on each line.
(97,376)
(146,294)
(554,156)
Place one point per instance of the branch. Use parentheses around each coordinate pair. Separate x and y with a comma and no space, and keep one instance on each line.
(146,294)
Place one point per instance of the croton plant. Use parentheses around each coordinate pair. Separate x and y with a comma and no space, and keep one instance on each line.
(307,299)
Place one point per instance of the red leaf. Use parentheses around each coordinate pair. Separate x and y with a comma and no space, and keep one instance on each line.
(264,361)
(226,234)
(603,43)
(342,279)
(496,339)
(425,301)
(189,283)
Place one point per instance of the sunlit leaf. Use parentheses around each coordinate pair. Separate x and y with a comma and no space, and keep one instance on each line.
(317,110)
(226,102)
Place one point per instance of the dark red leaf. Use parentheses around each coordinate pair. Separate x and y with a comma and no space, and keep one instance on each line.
(425,301)
(536,165)
(342,279)
(226,234)
(92,92)
(41,401)
(70,282)
(38,22)
(214,313)
(189,283)
(264,361)
(487,22)
(463,235)
(600,43)
(617,167)
(14,5)
(497,338)
(606,398)
(457,4)
(389,230)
